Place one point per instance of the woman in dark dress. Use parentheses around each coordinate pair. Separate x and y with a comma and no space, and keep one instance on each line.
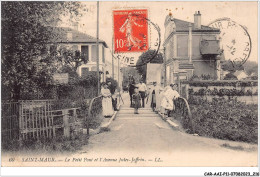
(136,100)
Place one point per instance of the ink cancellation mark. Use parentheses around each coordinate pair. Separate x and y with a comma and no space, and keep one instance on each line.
(234,40)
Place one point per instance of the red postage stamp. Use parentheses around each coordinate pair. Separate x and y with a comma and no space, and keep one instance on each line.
(130,30)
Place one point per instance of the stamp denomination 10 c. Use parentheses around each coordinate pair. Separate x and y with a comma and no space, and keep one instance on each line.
(130,30)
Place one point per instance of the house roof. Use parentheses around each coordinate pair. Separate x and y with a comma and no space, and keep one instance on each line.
(76,36)
(254,74)
(237,73)
(183,26)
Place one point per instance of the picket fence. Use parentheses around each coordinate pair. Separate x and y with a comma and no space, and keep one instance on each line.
(35,119)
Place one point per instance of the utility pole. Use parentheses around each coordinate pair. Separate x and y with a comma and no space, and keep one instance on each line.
(118,77)
(97,44)
(113,74)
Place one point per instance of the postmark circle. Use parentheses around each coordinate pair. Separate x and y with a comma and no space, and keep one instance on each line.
(234,40)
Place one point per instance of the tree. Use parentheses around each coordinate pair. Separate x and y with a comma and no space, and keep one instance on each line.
(70,57)
(127,71)
(230,76)
(231,66)
(25,62)
(251,67)
(151,56)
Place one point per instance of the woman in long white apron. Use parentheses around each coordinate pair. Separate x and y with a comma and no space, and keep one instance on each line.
(167,102)
(158,95)
(106,101)
(164,101)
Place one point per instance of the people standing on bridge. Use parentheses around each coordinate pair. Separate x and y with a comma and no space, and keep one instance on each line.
(151,99)
(142,90)
(169,96)
(136,100)
(114,96)
(106,101)
(158,92)
(175,93)
(164,101)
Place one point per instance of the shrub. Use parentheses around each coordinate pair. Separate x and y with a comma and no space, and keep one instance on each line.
(195,78)
(78,89)
(202,77)
(222,92)
(231,120)
(230,76)
(58,144)
(233,83)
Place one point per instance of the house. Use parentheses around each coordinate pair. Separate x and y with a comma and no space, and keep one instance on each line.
(190,49)
(77,41)
(241,75)
(253,76)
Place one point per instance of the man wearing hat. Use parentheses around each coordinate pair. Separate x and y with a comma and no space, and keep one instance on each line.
(142,90)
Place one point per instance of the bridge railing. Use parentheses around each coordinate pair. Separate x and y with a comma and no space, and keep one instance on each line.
(93,111)
(182,109)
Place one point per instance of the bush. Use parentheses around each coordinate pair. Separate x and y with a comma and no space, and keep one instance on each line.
(233,83)
(202,77)
(221,92)
(231,120)
(58,144)
(230,76)
(78,88)
(195,78)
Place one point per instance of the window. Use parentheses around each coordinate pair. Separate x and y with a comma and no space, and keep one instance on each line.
(169,49)
(182,46)
(94,53)
(196,45)
(84,53)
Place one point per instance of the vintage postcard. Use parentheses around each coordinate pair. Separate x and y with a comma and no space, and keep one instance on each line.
(129,84)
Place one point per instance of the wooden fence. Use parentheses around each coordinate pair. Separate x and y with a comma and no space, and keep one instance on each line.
(35,119)
(10,120)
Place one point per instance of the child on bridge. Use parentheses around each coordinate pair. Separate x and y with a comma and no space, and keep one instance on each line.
(136,100)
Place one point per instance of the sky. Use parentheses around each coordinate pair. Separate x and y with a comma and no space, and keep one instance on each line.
(243,13)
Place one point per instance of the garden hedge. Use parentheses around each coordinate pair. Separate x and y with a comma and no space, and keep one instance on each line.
(234,83)
(225,119)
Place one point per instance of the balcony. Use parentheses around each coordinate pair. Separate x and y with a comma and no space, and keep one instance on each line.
(209,47)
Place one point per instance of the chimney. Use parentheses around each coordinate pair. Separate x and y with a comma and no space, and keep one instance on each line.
(75,26)
(197,20)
